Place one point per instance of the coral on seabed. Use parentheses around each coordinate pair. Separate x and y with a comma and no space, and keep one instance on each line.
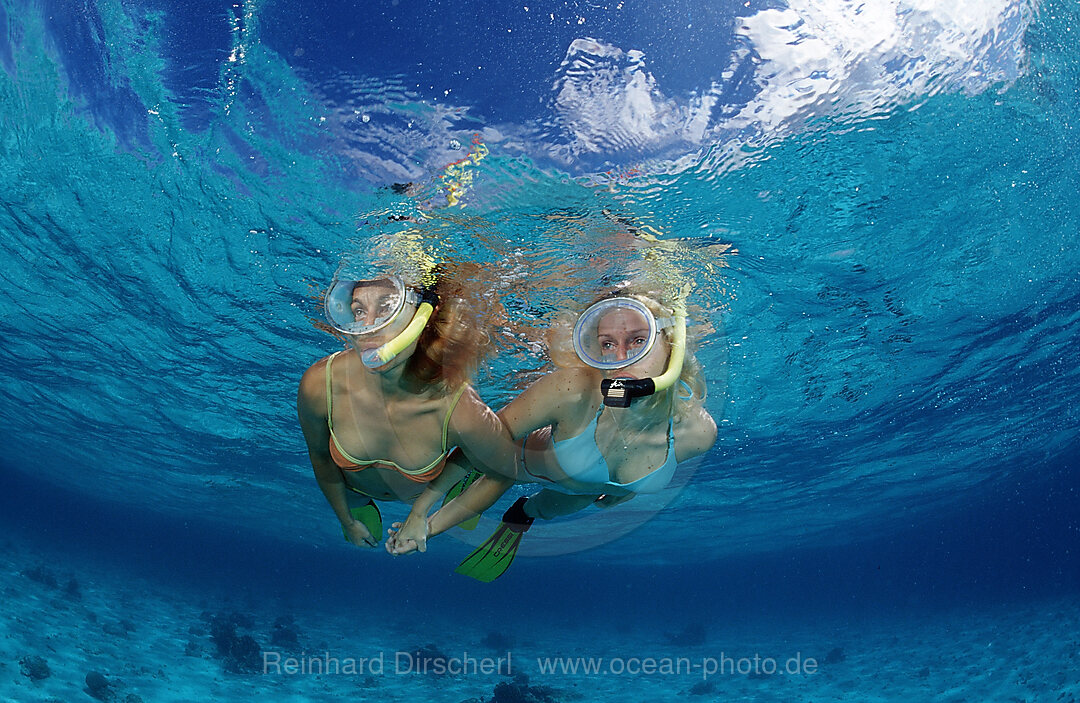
(240,653)
(34,668)
(519,691)
(98,686)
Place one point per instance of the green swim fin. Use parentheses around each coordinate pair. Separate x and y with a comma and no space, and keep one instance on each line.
(371,517)
(456,490)
(491,559)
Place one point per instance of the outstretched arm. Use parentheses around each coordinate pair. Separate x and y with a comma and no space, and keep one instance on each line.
(476,499)
(412,535)
(490,441)
(456,468)
(311,412)
(481,436)
(557,397)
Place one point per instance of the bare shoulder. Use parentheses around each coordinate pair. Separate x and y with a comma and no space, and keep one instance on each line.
(471,413)
(562,396)
(469,403)
(569,384)
(695,434)
(476,429)
(311,394)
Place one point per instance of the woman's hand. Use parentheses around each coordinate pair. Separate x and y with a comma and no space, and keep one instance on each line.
(358,533)
(408,537)
(395,545)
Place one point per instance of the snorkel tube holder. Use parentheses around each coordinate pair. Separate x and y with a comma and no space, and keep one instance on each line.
(374,358)
(619,392)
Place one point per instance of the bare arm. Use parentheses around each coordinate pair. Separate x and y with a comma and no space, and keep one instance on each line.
(490,448)
(311,412)
(482,441)
(555,398)
(477,498)
(481,436)
(453,472)
(547,402)
(695,435)
(474,500)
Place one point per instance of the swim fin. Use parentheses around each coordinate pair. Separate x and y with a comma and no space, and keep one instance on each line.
(491,559)
(371,517)
(456,490)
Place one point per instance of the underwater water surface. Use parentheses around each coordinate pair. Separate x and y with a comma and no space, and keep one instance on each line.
(875,202)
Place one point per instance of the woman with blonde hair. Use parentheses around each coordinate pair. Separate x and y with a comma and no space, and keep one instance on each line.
(610,427)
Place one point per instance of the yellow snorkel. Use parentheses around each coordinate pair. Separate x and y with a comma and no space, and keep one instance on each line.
(678,351)
(374,358)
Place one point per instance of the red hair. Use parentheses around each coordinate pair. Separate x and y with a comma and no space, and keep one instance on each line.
(456,337)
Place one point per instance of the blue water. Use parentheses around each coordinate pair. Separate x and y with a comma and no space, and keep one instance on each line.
(877,204)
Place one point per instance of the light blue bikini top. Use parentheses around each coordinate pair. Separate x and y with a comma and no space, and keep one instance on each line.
(580,459)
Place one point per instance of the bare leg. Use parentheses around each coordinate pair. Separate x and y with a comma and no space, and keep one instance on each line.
(548,504)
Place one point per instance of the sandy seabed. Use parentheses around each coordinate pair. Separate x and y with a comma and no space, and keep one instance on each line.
(89,632)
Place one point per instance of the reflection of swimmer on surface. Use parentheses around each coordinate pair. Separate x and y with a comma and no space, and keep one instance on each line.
(599,433)
(381,418)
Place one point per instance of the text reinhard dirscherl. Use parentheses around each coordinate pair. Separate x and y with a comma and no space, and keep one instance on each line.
(400,664)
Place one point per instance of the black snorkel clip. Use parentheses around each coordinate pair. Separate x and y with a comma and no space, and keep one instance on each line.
(618,392)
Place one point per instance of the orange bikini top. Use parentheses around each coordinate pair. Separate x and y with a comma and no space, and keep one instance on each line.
(347,462)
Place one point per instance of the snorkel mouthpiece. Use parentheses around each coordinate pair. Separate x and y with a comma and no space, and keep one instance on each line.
(374,358)
(371,357)
(619,392)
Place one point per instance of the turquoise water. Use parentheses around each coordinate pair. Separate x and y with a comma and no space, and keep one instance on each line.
(877,205)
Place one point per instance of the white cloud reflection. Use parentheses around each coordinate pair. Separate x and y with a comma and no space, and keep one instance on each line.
(828,57)
(814,58)
(841,59)
(606,100)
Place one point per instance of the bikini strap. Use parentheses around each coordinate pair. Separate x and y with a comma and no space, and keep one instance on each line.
(595,423)
(449,412)
(329,393)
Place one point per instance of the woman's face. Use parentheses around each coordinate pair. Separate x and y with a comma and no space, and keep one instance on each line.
(623,334)
(371,304)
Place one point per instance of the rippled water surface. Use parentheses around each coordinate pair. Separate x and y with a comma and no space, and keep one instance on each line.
(877,204)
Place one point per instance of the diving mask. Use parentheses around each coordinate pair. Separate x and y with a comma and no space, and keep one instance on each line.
(361,308)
